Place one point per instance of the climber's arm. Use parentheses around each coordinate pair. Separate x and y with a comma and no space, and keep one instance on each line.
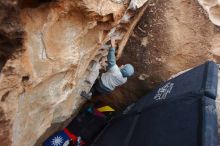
(111,54)
(111,58)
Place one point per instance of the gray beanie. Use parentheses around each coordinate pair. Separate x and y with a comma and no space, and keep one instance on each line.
(127,70)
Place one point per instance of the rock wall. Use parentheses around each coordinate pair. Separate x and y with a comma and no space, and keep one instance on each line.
(172,36)
(11,38)
(56,44)
(213,9)
(47,49)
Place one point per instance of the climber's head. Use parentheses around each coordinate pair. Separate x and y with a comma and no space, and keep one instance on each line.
(127,70)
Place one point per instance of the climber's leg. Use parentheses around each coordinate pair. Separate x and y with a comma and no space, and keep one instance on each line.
(87,96)
(94,73)
(96,90)
(93,91)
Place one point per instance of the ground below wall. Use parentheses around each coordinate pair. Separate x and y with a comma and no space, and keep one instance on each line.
(172,36)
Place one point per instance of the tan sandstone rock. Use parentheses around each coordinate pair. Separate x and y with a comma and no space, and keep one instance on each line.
(213,9)
(56,43)
(47,49)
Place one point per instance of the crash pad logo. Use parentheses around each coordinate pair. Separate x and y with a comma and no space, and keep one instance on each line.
(57,141)
(163,91)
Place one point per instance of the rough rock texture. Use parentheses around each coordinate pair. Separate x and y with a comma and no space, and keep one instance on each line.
(213,9)
(172,36)
(48,46)
(46,50)
(11,34)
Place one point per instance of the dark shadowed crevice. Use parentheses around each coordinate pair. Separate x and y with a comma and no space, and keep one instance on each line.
(11,31)
(2,62)
(33,3)
(8,49)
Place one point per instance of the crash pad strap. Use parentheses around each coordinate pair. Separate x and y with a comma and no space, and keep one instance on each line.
(210,81)
(131,131)
(72,136)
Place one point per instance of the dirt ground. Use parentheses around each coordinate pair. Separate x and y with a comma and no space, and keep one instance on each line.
(172,36)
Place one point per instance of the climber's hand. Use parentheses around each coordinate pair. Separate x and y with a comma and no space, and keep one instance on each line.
(113,42)
(103,51)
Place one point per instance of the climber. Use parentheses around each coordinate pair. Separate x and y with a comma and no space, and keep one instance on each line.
(114,76)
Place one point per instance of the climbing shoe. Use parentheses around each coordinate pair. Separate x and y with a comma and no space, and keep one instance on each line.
(87,96)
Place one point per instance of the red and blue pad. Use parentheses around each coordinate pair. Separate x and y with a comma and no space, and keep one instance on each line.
(58,139)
